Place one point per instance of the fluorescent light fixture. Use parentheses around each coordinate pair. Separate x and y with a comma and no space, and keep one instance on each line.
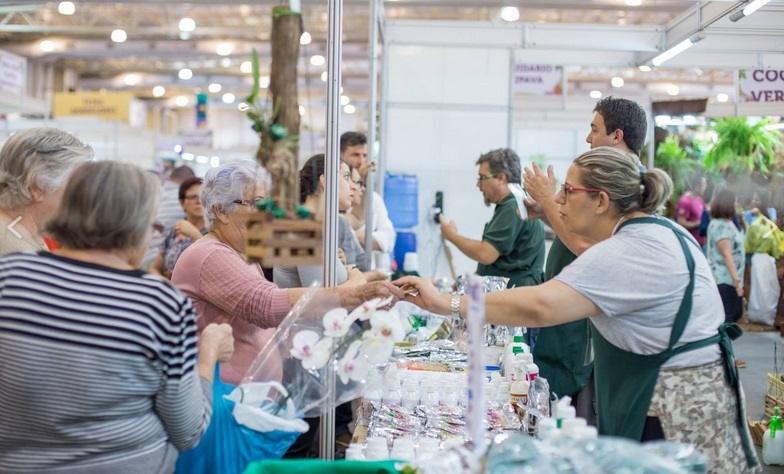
(246,67)
(673,90)
(158,91)
(634,3)
(264,82)
(678,48)
(185,74)
(214,161)
(644,68)
(317,60)
(349,109)
(324,76)
(617,81)
(214,87)
(722,97)
(775,126)
(224,49)
(131,79)
(344,100)
(187,156)
(596,94)
(748,9)
(305,38)
(47,46)
(181,101)
(202,159)
(228,98)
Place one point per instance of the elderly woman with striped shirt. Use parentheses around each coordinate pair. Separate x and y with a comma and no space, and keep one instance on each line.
(98,360)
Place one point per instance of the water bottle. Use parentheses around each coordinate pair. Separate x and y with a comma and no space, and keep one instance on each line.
(410,397)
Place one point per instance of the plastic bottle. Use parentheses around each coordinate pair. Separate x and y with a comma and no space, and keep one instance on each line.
(372,397)
(517,342)
(773,441)
(518,392)
(410,398)
(431,396)
(392,393)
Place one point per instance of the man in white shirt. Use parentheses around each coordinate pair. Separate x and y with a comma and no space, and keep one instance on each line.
(353,150)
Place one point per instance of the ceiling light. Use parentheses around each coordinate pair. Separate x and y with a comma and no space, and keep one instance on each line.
(510,14)
(185,74)
(184,35)
(302,110)
(722,97)
(324,76)
(202,159)
(689,120)
(66,8)
(662,120)
(317,60)
(617,81)
(158,91)
(224,49)
(226,62)
(243,106)
(673,90)
(181,101)
(214,161)
(246,67)
(748,9)
(177,148)
(305,38)
(634,3)
(644,68)
(678,48)
(214,87)
(596,94)
(349,109)
(131,79)
(264,82)
(228,98)
(119,36)
(47,46)
(344,100)
(187,25)
(187,156)
(775,126)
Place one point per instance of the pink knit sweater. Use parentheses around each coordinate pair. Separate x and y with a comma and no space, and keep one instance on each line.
(225,289)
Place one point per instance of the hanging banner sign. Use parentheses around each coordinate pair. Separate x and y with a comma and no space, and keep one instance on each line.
(538,79)
(106,105)
(761,85)
(12,73)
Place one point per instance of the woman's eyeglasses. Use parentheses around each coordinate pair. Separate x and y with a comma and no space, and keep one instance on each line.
(566,189)
(192,197)
(248,202)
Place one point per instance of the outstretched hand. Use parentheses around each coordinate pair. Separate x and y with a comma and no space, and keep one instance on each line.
(422,293)
(540,186)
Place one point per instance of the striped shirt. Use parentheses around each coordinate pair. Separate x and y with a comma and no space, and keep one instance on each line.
(97,369)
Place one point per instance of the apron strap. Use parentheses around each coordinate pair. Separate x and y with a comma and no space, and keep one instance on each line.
(684,311)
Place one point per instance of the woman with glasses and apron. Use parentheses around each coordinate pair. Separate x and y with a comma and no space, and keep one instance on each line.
(663,363)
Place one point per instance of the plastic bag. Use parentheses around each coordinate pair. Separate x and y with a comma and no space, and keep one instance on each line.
(763,236)
(765,293)
(228,447)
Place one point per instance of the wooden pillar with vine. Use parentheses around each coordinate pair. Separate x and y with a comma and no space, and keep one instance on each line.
(278,148)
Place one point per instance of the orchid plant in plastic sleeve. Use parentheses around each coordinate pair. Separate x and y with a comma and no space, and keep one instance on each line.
(316,337)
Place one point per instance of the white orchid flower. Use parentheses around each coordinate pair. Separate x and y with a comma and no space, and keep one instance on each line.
(353,365)
(387,325)
(376,348)
(313,353)
(337,323)
(364,311)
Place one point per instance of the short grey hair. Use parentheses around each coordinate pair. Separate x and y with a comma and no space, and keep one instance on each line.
(37,158)
(227,183)
(503,160)
(107,205)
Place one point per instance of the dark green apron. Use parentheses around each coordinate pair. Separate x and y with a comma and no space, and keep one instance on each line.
(625,381)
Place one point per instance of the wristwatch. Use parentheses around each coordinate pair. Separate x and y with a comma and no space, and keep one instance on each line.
(455,306)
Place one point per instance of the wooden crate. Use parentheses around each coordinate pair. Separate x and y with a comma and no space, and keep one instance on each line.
(775,394)
(284,242)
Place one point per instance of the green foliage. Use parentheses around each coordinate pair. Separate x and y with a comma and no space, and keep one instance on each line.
(676,162)
(742,146)
(263,119)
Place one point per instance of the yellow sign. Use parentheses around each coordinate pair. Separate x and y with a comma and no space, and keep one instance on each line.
(108,105)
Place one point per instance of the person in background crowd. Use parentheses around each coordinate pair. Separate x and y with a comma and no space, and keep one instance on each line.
(353,150)
(691,207)
(224,287)
(561,352)
(98,368)
(510,247)
(312,188)
(184,232)
(34,166)
(170,213)
(726,256)
(662,355)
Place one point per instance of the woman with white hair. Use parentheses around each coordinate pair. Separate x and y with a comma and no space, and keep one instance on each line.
(34,165)
(224,287)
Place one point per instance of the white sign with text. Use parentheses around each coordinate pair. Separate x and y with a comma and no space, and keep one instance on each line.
(761,85)
(538,79)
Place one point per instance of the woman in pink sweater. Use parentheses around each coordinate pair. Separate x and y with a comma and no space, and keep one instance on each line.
(224,287)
